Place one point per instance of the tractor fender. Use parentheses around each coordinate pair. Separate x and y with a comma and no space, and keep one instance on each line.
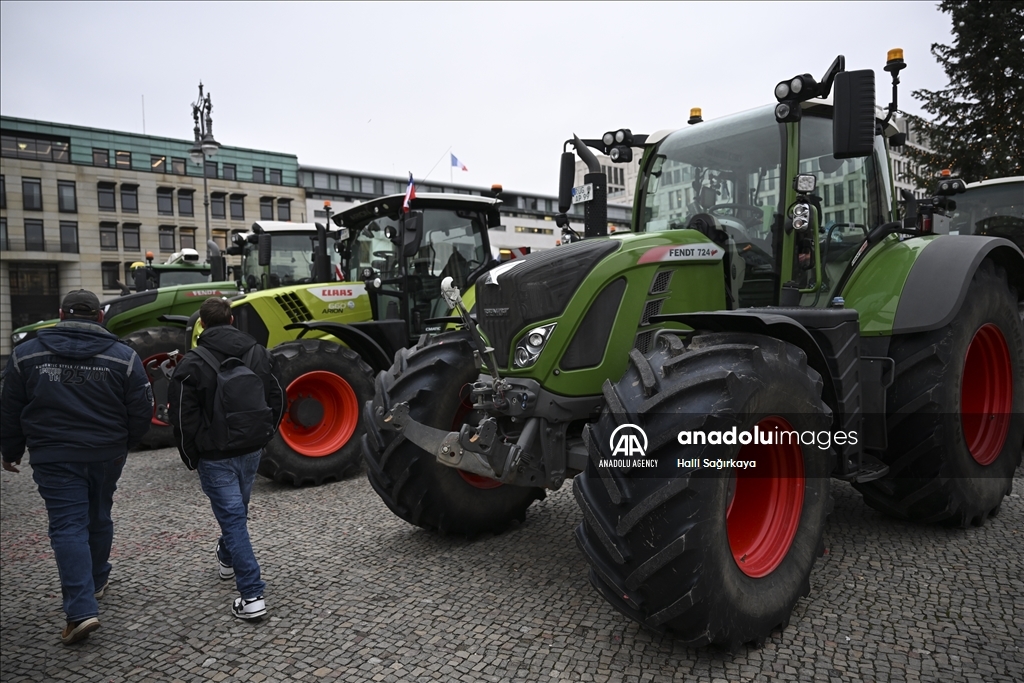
(938,280)
(769,322)
(355,339)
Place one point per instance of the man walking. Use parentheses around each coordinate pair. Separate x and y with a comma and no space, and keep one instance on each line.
(225,405)
(78,398)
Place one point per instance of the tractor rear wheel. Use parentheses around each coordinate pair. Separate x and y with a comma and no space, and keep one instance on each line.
(432,377)
(710,552)
(153,344)
(326,386)
(955,412)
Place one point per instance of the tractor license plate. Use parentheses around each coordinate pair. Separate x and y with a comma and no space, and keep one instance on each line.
(583,193)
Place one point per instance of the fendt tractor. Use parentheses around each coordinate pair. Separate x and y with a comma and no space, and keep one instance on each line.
(361,290)
(769,324)
(152,318)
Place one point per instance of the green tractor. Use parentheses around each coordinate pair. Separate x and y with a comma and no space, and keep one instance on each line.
(769,324)
(364,289)
(152,318)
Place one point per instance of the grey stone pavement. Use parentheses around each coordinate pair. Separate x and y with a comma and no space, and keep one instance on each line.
(355,594)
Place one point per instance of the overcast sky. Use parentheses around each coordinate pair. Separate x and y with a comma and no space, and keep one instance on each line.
(389,87)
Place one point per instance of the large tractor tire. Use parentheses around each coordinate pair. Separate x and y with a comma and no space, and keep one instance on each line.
(713,556)
(153,344)
(326,386)
(955,412)
(433,377)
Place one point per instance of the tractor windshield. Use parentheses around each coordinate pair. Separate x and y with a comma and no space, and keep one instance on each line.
(996,209)
(169,278)
(291,260)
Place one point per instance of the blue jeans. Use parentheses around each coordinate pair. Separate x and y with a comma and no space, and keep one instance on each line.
(78,497)
(228,484)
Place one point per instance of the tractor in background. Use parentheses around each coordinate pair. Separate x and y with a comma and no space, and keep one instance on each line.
(364,286)
(771,322)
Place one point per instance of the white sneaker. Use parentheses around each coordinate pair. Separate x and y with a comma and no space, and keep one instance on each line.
(253,608)
(226,570)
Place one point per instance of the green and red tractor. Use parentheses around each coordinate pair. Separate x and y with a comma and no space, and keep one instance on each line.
(771,322)
(369,285)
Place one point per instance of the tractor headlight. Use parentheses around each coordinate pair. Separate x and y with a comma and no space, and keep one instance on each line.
(529,347)
(18,337)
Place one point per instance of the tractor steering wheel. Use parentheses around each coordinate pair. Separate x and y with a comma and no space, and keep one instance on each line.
(753,215)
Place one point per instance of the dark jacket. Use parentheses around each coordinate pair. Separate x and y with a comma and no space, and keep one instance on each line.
(75,393)
(194,384)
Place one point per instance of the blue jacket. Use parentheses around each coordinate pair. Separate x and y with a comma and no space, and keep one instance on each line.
(75,393)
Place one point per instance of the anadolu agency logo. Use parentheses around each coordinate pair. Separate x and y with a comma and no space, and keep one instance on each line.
(628,444)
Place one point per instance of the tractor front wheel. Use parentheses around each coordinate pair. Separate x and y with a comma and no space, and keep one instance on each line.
(433,377)
(326,386)
(153,344)
(711,534)
(955,411)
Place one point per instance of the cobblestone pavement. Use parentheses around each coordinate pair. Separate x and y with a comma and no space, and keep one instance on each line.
(356,594)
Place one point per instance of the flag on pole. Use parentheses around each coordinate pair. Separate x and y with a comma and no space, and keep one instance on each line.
(410,194)
(458,164)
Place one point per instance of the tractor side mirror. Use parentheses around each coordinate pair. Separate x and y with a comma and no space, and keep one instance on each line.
(264,249)
(566,174)
(141,279)
(853,120)
(216,261)
(412,233)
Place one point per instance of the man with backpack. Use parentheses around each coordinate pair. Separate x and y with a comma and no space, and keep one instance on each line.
(225,405)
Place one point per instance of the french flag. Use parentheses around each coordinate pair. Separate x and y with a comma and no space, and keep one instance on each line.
(458,164)
(410,194)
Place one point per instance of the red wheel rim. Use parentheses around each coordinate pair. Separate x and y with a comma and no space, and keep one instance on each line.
(340,414)
(763,514)
(986,394)
(474,480)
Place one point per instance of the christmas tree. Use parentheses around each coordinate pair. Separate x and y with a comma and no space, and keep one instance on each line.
(977,124)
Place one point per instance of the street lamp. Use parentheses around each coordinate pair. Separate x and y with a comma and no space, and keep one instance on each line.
(204,147)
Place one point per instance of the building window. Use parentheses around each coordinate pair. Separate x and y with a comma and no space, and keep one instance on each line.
(32,194)
(266,208)
(275,176)
(165,201)
(217,205)
(69,237)
(258,174)
(100,157)
(3,192)
(123,159)
(34,235)
(188,238)
(130,234)
(157,164)
(105,197)
(837,191)
(35,147)
(229,172)
(220,238)
(185,202)
(852,186)
(166,238)
(4,245)
(238,207)
(108,236)
(210,169)
(284,209)
(110,270)
(67,202)
(129,198)
(178,166)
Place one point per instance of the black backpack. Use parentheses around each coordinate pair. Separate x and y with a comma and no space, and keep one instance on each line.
(241,417)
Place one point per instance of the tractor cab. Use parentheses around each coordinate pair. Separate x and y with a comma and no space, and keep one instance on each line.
(403,255)
(281,253)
